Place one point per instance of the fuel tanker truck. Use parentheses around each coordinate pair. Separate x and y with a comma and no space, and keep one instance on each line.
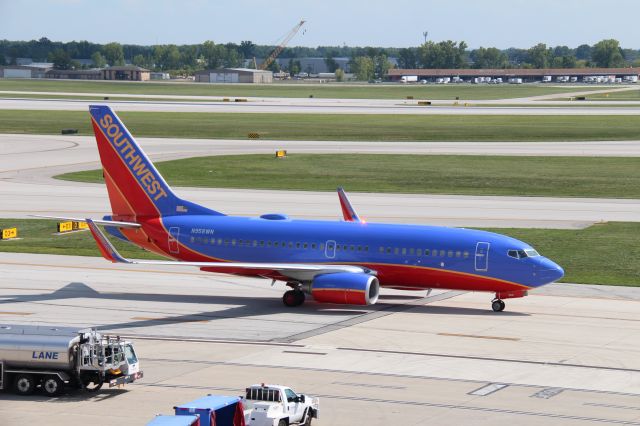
(52,358)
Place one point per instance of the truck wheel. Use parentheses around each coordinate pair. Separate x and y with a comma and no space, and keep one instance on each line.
(283,422)
(24,384)
(91,382)
(52,385)
(308,417)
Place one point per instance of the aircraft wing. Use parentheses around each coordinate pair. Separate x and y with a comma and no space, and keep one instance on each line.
(117,223)
(296,271)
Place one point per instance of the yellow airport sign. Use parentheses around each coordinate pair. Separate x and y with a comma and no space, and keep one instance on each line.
(281,153)
(9,233)
(65,226)
(79,226)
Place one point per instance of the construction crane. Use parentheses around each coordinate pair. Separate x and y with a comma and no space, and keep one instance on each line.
(272,57)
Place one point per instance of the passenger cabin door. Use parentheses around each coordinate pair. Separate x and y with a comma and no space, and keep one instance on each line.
(482,256)
(174,235)
(330,249)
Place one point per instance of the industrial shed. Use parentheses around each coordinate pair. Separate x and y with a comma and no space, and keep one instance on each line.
(126,72)
(23,71)
(234,75)
(75,74)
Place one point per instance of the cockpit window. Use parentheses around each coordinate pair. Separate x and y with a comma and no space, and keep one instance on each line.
(521,254)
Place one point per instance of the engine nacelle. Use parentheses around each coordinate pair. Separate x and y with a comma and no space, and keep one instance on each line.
(346,288)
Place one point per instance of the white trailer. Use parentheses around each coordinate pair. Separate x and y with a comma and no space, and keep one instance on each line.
(276,405)
(546,79)
(54,357)
(409,79)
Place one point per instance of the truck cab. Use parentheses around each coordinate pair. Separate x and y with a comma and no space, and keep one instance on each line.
(276,405)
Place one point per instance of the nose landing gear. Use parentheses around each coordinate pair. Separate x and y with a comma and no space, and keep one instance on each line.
(497,305)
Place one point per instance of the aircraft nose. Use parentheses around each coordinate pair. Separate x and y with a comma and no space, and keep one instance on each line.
(549,272)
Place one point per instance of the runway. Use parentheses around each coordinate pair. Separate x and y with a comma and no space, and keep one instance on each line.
(314,106)
(564,355)
(29,161)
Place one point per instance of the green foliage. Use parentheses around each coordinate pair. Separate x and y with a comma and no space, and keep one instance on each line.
(3,60)
(294,67)
(331,63)
(539,56)
(339,75)
(381,65)
(61,60)
(408,58)
(98,60)
(139,60)
(113,53)
(607,54)
(489,58)
(363,67)
(445,54)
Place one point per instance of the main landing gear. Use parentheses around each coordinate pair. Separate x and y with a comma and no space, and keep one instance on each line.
(497,305)
(293,298)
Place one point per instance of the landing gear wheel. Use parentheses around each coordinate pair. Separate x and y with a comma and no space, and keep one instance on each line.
(293,298)
(24,384)
(52,385)
(497,305)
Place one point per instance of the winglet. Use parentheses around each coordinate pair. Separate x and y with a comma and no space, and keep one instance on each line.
(348,212)
(107,249)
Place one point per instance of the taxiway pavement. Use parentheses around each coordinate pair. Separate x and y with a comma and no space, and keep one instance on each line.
(564,355)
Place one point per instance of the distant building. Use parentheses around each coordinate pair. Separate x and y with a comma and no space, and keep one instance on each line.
(234,75)
(75,74)
(527,75)
(23,71)
(127,73)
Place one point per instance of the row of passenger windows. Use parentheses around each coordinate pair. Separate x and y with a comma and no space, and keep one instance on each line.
(338,247)
(255,243)
(425,252)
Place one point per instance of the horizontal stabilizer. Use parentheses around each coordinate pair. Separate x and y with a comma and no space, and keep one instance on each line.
(96,221)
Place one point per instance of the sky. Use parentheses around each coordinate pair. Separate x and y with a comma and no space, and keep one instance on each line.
(399,23)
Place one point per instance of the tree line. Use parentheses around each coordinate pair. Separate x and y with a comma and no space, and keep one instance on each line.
(366,62)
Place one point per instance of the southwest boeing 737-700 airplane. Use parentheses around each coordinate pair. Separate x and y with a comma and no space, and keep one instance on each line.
(342,262)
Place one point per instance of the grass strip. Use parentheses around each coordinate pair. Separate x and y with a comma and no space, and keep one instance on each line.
(605,253)
(343,127)
(605,177)
(289,90)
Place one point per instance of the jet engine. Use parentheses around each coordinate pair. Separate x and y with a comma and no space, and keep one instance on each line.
(346,288)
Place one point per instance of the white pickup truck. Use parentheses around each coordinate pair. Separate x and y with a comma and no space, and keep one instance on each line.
(275,405)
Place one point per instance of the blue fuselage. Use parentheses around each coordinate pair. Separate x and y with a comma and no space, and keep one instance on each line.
(407,256)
